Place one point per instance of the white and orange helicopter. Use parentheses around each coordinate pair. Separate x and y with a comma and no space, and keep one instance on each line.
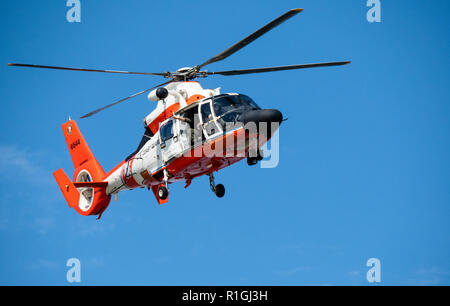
(192,132)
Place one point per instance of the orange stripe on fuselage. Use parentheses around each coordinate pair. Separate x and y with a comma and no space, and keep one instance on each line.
(194,98)
(167,113)
(127,177)
(186,165)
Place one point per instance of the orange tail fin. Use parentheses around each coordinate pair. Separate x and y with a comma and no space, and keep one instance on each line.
(82,156)
(87,193)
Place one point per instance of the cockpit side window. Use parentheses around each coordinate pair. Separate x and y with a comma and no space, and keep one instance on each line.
(228,108)
(237,103)
(249,102)
(225,104)
(166,131)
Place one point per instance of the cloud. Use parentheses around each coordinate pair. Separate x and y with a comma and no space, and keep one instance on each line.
(294,271)
(432,276)
(20,163)
(28,191)
(43,224)
(45,264)
(357,277)
(90,227)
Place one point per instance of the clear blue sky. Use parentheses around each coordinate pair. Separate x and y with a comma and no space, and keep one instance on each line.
(364,167)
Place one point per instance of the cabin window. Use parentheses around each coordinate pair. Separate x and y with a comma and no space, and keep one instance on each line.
(166,131)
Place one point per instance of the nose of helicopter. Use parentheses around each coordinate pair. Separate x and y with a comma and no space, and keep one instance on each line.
(268,116)
(261,115)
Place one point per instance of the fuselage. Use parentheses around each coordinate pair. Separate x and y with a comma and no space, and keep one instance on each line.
(195,132)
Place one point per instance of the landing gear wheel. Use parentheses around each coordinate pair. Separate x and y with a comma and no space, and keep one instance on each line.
(220,191)
(163,193)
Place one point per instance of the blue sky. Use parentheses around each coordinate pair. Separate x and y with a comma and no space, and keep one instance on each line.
(364,167)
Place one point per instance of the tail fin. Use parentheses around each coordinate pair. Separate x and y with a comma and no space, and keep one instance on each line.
(87,193)
(82,156)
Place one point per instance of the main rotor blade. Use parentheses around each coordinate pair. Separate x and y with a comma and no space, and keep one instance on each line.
(279,68)
(252,37)
(123,100)
(81,69)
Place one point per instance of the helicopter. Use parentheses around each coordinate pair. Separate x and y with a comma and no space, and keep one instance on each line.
(192,132)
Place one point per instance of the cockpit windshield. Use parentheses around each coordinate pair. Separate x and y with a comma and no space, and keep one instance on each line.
(228,107)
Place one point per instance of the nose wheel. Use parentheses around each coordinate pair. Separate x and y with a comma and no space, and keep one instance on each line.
(163,191)
(219,189)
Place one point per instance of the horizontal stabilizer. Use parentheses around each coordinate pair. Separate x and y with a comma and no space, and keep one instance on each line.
(91,184)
